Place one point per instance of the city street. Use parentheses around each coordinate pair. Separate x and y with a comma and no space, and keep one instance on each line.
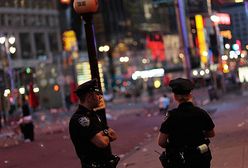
(138,126)
(54,148)
(56,54)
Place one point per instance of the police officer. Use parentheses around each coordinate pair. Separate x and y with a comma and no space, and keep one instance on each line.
(185,132)
(91,137)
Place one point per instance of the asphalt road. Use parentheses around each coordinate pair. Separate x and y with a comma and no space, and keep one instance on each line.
(56,150)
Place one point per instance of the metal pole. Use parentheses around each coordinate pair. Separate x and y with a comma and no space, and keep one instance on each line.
(180,7)
(10,69)
(92,54)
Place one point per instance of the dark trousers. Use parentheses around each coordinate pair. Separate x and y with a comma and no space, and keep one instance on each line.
(194,160)
(27,130)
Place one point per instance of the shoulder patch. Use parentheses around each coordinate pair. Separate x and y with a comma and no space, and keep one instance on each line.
(84,121)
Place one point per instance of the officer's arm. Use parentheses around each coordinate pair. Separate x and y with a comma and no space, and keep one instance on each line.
(210,134)
(100,140)
(162,139)
(112,134)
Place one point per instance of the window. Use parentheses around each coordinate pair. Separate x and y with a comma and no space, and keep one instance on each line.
(53,41)
(25,45)
(40,43)
(2,20)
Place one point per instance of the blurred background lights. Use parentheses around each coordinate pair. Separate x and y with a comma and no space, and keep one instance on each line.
(195,72)
(12,40)
(157,84)
(22,90)
(205,53)
(181,55)
(36,90)
(6,92)
(227,46)
(124,59)
(202,72)
(225,68)
(2,39)
(215,18)
(224,57)
(207,71)
(12,50)
(144,61)
(235,47)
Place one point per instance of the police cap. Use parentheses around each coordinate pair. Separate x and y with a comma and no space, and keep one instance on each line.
(181,86)
(89,86)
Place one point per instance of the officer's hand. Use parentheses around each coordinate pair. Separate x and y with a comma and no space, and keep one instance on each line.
(112,134)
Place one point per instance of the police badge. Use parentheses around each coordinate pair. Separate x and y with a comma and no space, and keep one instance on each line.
(84,121)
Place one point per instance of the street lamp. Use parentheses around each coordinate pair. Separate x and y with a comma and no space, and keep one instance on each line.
(106,49)
(8,48)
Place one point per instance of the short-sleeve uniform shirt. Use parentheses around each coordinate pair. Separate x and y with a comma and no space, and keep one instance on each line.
(83,126)
(186,125)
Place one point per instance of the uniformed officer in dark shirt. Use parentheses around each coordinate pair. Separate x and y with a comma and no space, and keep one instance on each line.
(91,137)
(185,132)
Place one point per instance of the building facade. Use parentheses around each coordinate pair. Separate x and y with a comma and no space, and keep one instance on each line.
(35,27)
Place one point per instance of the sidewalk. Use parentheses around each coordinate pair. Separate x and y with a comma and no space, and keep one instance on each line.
(233,154)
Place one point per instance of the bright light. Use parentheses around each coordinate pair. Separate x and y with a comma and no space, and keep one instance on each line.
(227,46)
(148,74)
(195,72)
(104,48)
(239,1)
(101,49)
(2,40)
(12,40)
(144,61)
(12,50)
(232,54)
(205,53)
(22,90)
(207,71)
(181,55)
(235,47)
(6,92)
(236,56)
(67,2)
(202,72)
(36,90)
(215,18)
(56,88)
(225,68)
(124,59)
(157,84)
(243,74)
(237,52)
(224,57)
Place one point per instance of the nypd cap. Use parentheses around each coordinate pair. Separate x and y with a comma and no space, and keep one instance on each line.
(89,86)
(181,86)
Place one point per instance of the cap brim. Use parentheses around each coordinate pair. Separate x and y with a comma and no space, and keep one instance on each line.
(97,91)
